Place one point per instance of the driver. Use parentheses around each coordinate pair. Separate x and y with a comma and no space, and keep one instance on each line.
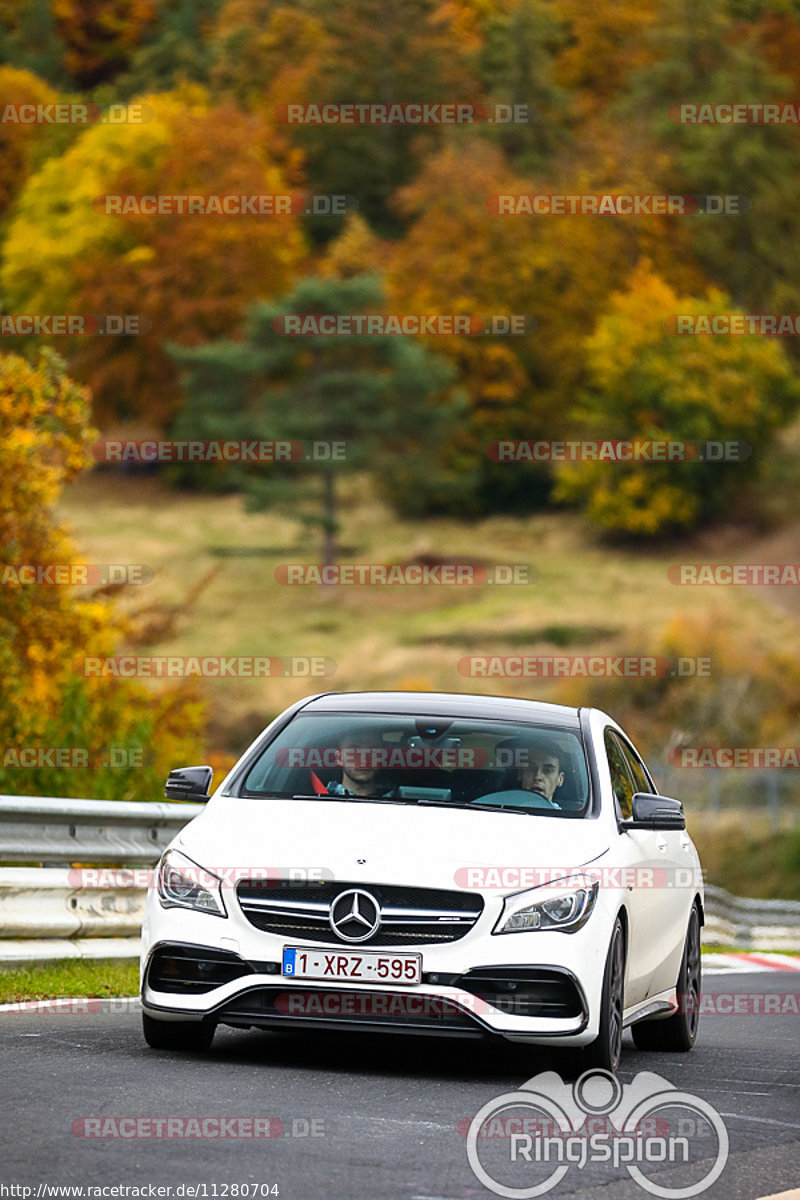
(356,755)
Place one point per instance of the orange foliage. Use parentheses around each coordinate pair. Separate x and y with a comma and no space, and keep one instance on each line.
(17,139)
(191,277)
(101,34)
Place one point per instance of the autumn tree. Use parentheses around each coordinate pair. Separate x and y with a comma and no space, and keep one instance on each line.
(406,52)
(461,255)
(47,628)
(30,40)
(516,65)
(266,54)
(100,35)
(704,57)
(176,48)
(602,44)
(647,381)
(380,397)
(18,140)
(187,277)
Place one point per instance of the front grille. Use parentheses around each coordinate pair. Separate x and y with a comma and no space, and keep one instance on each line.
(413,916)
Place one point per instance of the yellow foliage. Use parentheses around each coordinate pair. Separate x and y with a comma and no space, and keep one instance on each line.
(647,382)
(45,627)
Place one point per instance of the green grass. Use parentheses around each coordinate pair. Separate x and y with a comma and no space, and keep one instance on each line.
(69,977)
(600,598)
(741,853)
(713,948)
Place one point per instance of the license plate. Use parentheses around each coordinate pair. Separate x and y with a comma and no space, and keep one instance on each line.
(351,964)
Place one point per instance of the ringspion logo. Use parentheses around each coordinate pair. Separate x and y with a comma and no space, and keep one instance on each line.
(543,1134)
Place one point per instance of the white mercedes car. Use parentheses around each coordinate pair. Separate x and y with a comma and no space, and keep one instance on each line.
(467,866)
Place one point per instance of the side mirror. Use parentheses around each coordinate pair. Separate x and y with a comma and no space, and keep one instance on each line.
(189,783)
(656,812)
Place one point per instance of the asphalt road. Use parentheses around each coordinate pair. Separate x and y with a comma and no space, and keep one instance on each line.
(362,1117)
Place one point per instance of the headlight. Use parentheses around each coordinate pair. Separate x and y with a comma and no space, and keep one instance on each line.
(182,884)
(566,908)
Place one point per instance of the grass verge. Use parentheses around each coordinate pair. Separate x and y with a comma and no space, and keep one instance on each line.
(69,977)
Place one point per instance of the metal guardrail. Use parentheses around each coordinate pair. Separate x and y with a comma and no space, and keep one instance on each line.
(774,793)
(48,912)
(751,924)
(50,829)
(44,912)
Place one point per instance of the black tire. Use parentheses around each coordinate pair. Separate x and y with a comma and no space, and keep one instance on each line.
(177,1035)
(678,1032)
(605,1051)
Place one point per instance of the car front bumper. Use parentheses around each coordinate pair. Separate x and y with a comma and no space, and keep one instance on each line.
(527,987)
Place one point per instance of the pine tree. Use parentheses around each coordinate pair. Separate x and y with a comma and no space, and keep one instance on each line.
(378,395)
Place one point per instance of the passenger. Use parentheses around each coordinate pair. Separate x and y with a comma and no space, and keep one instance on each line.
(537,767)
(543,773)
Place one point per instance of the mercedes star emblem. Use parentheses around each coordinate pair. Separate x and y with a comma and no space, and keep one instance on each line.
(355,915)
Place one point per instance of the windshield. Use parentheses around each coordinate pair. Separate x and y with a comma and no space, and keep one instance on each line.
(425,760)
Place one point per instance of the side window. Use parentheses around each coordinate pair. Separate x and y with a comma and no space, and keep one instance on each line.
(621,780)
(640,781)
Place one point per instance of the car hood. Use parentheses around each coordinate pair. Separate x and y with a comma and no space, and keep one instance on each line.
(417,846)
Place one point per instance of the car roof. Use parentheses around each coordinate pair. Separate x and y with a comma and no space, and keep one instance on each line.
(447,704)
